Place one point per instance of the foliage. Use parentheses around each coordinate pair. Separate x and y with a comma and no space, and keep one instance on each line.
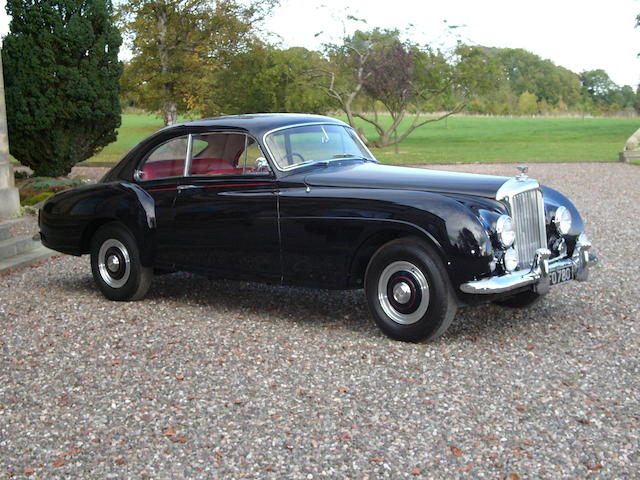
(179,45)
(61,75)
(38,198)
(36,186)
(556,89)
(527,72)
(527,104)
(25,210)
(266,79)
(377,68)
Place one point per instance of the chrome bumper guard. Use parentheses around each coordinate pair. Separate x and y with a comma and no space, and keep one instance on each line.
(538,276)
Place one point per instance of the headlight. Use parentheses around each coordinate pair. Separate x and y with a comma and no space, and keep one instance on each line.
(510,260)
(562,220)
(504,230)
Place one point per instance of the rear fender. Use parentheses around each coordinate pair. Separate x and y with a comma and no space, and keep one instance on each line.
(69,219)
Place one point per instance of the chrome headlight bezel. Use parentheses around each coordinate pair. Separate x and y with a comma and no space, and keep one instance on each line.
(504,231)
(562,220)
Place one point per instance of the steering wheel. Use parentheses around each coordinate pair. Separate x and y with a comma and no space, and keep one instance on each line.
(289,157)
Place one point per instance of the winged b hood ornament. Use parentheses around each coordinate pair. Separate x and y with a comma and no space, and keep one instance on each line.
(522,176)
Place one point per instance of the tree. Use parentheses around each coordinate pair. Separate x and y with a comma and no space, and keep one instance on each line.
(598,85)
(377,68)
(265,79)
(179,44)
(527,72)
(527,104)
(61,82)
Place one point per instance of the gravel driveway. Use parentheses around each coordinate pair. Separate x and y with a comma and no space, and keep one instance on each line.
(215,379)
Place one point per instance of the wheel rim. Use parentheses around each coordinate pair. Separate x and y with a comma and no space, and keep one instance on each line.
(114,263)
(403,292)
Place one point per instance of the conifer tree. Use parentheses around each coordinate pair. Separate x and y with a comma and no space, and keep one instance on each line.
(62,76)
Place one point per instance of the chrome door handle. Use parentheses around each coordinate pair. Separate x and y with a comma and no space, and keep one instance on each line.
(186,187)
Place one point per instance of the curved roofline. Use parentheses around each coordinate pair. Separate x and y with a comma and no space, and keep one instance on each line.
(257,123)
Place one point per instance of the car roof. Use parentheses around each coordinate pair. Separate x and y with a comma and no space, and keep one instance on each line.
(258,123)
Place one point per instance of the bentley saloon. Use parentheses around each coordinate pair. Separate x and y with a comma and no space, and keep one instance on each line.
(299,200)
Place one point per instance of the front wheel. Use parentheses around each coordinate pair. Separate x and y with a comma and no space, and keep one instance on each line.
(408,291)
(115,264)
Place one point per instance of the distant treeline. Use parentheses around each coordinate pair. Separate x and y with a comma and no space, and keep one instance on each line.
(533,85)
(264,78)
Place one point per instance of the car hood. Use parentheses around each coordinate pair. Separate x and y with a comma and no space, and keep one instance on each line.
(373,175)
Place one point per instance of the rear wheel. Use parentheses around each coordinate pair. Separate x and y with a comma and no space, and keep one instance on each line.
(520,300)
(408,291)
(115,264)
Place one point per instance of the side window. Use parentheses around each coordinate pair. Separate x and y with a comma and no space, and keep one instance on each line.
(217,154)
(224,154)
(166,160)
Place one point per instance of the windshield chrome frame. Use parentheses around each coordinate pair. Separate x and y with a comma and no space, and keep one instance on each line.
(297,125)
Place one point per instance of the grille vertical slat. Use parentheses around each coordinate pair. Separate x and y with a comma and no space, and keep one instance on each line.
(525,208)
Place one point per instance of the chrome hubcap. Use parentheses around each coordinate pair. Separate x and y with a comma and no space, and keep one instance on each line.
(403,292)
(114,263)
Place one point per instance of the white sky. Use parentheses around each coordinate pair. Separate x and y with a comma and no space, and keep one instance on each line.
(577,34)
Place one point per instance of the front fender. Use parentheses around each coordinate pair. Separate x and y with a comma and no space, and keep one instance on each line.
(456,231)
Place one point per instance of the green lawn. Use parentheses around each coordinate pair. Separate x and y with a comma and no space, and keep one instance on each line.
(464,139)
(482,139)
(134,128)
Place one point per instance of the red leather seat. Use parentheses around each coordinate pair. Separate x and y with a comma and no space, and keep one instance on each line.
(163,168)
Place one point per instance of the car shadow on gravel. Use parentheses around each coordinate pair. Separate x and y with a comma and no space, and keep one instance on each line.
(317,308)
(333,309)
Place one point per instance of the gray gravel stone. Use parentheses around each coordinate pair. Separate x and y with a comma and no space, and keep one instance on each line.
(218,379)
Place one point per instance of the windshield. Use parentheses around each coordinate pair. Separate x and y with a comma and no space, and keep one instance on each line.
(315,143)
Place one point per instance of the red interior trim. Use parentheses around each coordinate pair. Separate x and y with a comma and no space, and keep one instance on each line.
(214,186)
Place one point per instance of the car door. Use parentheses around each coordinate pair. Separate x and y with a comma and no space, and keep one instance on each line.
(159,172)
(226,215)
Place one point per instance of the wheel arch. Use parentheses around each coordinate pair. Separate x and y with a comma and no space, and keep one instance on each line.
(367,248)
(91,229)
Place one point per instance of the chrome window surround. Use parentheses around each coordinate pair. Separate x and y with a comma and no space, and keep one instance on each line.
(293,167)
(137,171)
(188,159)
(515,186)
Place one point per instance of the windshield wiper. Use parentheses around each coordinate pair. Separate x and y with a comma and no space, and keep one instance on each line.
(336,158)
(355,157)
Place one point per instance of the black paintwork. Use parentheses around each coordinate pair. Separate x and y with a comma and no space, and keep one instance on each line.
(315,226)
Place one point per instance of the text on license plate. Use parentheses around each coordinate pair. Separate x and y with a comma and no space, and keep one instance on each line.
(561,275)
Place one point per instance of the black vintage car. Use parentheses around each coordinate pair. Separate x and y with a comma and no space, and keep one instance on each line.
(299,200)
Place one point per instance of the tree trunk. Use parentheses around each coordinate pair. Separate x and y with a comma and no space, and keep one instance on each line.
(170,112)
(169,108)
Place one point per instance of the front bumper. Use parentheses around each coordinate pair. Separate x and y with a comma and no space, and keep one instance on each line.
(539,275)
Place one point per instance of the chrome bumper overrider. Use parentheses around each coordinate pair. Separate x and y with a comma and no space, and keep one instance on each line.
(538,276)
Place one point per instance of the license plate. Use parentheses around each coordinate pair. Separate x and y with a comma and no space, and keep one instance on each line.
(561,275)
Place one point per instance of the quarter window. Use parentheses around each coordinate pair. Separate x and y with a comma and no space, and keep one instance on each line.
(166,160)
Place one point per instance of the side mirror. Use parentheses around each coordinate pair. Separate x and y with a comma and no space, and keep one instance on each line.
(261,165)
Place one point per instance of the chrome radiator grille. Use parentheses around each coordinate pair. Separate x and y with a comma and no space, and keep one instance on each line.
(527,211)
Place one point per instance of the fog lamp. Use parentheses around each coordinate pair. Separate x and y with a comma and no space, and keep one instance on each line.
(510,260)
